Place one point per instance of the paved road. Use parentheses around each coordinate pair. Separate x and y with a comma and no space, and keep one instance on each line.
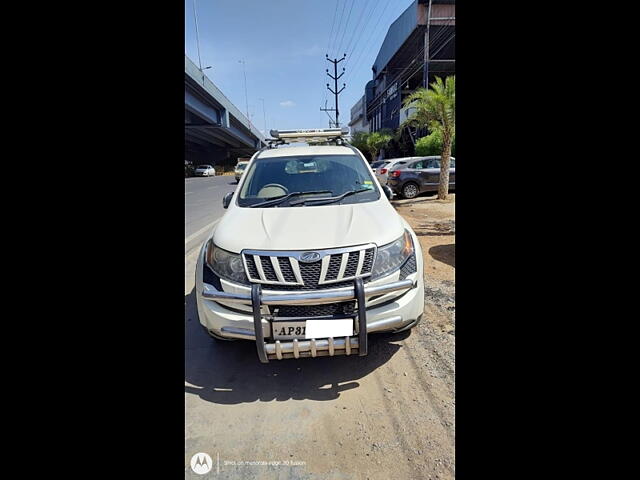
(203,206)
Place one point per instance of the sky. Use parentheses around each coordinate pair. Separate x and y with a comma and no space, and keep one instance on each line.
(283,45)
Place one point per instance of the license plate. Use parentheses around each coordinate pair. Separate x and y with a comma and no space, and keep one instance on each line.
(306,329)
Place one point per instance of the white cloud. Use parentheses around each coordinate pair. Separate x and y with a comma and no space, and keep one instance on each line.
(287,103)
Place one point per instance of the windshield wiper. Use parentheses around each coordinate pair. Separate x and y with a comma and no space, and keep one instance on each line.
(284,198)
(324,201)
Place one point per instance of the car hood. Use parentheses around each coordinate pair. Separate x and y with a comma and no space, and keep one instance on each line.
(308,228)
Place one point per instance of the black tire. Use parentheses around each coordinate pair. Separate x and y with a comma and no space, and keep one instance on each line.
(410,190)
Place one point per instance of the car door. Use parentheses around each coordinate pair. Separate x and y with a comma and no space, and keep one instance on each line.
(412,172)
(430,174)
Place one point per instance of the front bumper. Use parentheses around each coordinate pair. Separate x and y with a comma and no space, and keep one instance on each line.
(243,313)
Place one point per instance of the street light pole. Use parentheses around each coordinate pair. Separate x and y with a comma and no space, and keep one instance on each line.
(246,98)
(265,116)
(195,16)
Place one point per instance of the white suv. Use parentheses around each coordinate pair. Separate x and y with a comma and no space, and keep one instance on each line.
(310,256)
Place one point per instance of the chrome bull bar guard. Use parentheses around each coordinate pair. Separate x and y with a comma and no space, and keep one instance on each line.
(312,347)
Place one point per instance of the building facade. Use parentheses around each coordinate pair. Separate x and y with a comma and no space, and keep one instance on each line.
(359,121)
(419,45)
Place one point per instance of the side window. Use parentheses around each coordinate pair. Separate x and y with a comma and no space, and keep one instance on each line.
(452,163)
(434,163)
(417,165)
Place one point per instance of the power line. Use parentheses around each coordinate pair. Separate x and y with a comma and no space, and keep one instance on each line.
(333,22)
(323,97)
(346,26)
(339,23)
(370,36)
(364,27)
(355,29)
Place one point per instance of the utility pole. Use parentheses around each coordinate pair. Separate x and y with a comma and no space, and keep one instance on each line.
(335,91)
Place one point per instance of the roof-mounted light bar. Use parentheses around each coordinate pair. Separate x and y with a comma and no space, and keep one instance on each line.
(306,135)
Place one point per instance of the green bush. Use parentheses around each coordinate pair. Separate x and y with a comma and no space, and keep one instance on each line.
(432,145)
(429,145)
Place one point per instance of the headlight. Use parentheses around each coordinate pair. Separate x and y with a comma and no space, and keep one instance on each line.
(391,257)
(225,264)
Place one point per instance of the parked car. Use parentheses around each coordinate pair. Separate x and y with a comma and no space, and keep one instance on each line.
(240,167)
(310,256)
(418,176)
(205,171)
(382,172)
(377,164)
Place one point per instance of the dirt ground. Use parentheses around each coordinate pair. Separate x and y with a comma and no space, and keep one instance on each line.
(390,414)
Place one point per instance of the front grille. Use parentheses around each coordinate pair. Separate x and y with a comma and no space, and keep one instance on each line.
(297,311)
(283,270)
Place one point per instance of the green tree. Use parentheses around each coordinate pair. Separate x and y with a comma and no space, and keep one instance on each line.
(376,142)
(435,108)
(359,140)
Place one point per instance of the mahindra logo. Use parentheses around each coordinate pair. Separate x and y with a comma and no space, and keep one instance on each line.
(309,257)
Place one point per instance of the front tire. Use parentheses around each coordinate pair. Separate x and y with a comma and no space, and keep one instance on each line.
(410,190)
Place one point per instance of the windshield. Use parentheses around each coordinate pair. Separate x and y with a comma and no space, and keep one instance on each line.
(323,176)
(204,167)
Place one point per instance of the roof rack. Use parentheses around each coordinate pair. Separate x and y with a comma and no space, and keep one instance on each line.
(311,136)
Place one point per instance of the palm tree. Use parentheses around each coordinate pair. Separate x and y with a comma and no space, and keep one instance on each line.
(435,109)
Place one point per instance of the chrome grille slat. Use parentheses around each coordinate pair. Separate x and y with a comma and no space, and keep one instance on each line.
(258,262)
(361,255)
(276,267)
(343,266)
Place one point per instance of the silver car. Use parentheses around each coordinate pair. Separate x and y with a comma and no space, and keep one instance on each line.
(205,171)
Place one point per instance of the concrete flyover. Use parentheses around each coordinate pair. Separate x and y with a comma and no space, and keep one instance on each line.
(215,131)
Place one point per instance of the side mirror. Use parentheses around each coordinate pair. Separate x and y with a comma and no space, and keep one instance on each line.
(226,200)
(388,192)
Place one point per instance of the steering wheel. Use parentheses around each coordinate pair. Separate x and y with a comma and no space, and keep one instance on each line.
(272,190)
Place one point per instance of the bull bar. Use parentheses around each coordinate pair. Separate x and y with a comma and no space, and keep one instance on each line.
(356,344)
